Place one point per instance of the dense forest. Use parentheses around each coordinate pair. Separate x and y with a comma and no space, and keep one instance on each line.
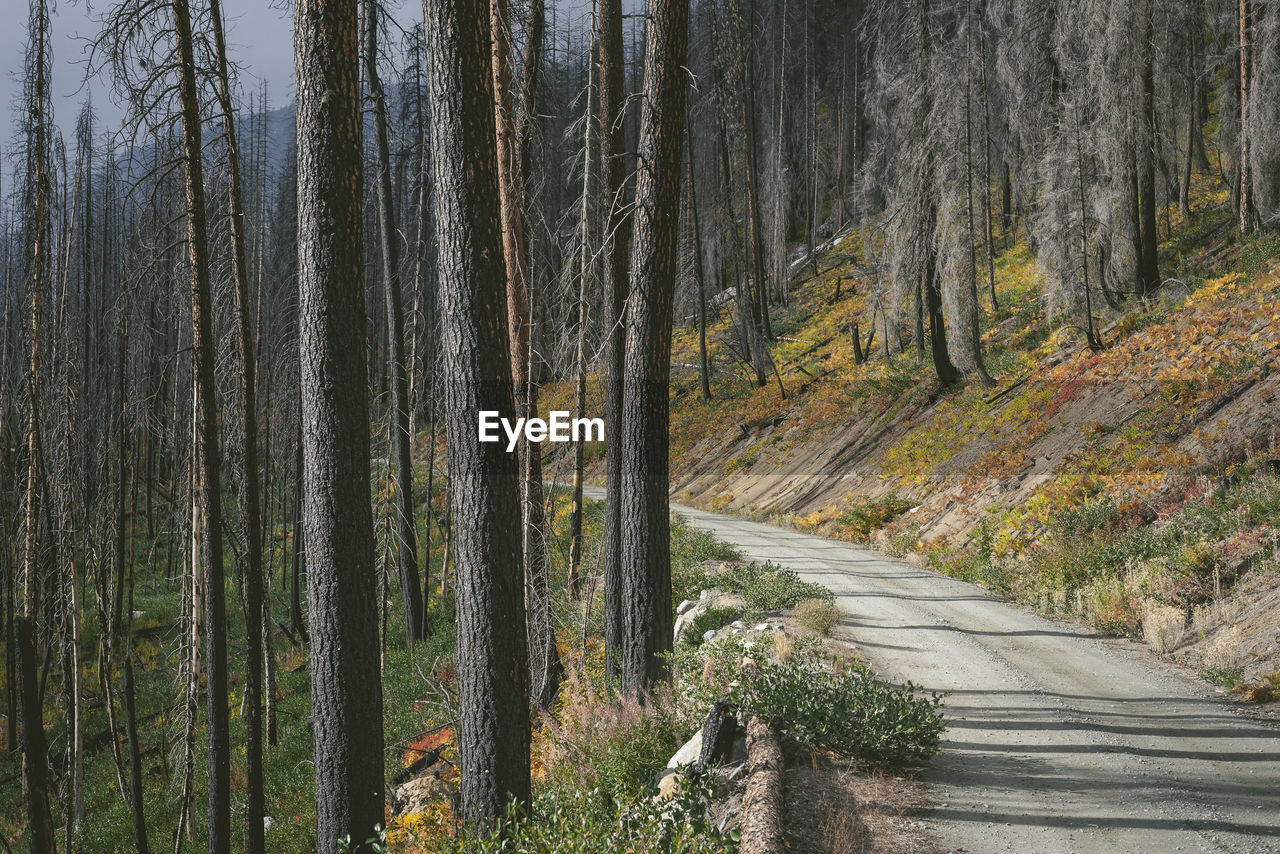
(252,550)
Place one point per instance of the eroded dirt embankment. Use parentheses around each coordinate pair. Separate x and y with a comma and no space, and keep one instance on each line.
(1179,405)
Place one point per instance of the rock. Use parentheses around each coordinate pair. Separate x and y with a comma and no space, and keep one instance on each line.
(709,635)
(763,627)
(688,754)
(419,794)
(738,624)
(707,600)
(667,786)
(684,606)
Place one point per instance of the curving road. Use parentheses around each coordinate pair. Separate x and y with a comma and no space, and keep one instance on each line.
(1058,741)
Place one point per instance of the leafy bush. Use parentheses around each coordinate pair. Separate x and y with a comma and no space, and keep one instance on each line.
(613,745)
(581,822)
(818,615)
(849,712)
(769,587)
(712,618)
(691,547)
(866,515)
(690,550)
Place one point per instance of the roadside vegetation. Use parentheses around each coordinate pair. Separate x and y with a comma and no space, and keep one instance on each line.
(1099,485)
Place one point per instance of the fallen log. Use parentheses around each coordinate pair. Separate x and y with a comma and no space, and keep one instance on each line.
(762,801)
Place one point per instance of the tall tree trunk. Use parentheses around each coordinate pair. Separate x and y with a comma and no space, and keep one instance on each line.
(1247,213)
(704,367)
(580,319)
(974,310)
(986,154)
(1091,335)
(493,674)
(398,419)
(755,235)
(254,577)
(1149,270)
(35,767)
(208,464)
(299,562)
(942,365)
(617,265)
(135,757)
(1184,188)
(38,235)
(544,659)
(929,295)
(346,682)
(646,552)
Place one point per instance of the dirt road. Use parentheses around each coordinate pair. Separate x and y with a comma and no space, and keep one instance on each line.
(1057,741)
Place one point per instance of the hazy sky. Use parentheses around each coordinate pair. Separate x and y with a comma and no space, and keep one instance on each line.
(259,39)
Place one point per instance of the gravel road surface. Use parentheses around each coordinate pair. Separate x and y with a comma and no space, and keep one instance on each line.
(1057,741)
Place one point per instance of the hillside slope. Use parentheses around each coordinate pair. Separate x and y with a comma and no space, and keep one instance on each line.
(1133,488)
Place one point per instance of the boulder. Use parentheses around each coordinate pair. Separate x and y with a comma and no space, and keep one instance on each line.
(667,786)
(418,794)
(708,599)
(688,754)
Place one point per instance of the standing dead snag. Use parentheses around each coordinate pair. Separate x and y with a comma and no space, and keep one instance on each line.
(544,658)
(346,681)
(580,320)
(645,556)
(398,420)
(254,583)
(208,459)
(35,767)
(616,254)
(493,672)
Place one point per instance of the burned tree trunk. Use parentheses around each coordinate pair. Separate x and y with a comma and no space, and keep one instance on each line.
(544,660)
(398,420)
(208,461)
(254,578)
(493,673)
(617,264)
(346,682)
(35,763)
(645,520)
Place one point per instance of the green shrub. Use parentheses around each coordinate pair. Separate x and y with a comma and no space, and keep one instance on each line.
(580,822)
(614,745)
(712,618)
(769,587)
(850,712)
(866,515)
(690,550)
(818,615)
(1227,677)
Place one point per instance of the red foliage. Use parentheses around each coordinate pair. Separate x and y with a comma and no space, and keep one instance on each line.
(428,742)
